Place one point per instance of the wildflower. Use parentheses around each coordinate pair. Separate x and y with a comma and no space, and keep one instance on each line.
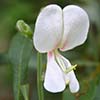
(60,29)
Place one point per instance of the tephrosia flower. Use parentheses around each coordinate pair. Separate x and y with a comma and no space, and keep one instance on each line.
(60,29)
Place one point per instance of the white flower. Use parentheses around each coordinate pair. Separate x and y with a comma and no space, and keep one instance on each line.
(60,29)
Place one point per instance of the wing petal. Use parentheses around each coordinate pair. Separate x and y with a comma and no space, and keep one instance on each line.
(70,77)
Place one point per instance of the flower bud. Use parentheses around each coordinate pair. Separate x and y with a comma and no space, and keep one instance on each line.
(24,28)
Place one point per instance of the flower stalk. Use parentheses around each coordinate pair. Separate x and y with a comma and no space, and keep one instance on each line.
(39,77)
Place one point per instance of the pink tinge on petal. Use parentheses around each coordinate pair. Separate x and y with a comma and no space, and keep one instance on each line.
(64,46)
(50,54)
(54,79)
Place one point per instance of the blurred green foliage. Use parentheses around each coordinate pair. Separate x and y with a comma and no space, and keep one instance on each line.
(19,54)
(86,56)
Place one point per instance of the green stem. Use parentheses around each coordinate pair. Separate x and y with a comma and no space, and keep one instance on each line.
(39,77)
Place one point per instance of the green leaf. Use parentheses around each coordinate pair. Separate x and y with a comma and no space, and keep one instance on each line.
(67,95)
(25,91)
(97,93)
(97,90)
(19,54)
(90,90)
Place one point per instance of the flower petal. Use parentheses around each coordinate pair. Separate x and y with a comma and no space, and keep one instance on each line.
(76,25)
(74,84)
(70,77)
(54,79)
(48,29)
